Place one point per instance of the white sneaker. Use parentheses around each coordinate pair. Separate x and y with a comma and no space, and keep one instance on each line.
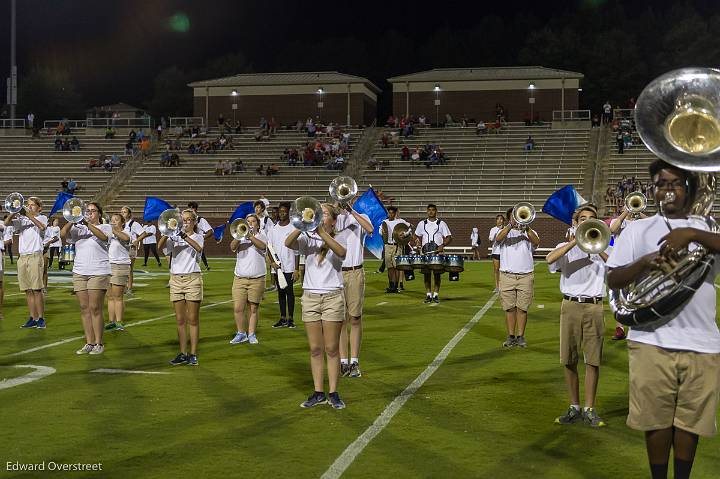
(252,339)
(85,349)
(98,349)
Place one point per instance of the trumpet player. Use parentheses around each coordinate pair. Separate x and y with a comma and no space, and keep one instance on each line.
(582,284)
(29,224)
(674,366)
(517,244)
(249,280)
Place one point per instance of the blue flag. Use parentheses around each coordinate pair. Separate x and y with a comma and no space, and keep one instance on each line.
(562,204)
(370,205)
(242,211)
(153,208)
(60,200)
(218,232)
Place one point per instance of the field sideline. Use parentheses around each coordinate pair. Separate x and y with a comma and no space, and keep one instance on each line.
(486,412)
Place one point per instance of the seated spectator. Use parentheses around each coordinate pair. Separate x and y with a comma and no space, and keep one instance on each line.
(405,153)
(596,120)
(238,127)
(109,133)
(311,130)
(272,170)
(116,161)
(129,149)
(395,138)
(480,128)
(97,162)
(222,142)
(58,144)
(373,163)
(165,158)
(415,157)
(227,167)
(132,136)
(140,136)
(107,164)
(219,167)
(64,185)
(529,143)
(66,145)
(174,159)
(239,166)
(260,169)
(74,144)
(384,140)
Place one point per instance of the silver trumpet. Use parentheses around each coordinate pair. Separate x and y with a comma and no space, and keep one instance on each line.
(74,210)
(635,203)
(343,189)
(592,236)
(523,213)
(170,222)
(14,203)
(240,229)
(306,213)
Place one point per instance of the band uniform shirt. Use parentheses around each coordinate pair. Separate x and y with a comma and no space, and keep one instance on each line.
(390,226)
(581,274)
(516,253)
(435,231)
(203,226)
(133,228)
(250,260)
(30,238)
(184,257)
(287,256)
(693,328)
(267,223)
(356,235)
(495,249)
(326,276)
(92,256)
(151,230)
(119,250)
(474,237)
(50,233)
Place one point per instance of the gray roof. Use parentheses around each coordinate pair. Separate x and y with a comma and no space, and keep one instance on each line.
(486,73)
(288,78)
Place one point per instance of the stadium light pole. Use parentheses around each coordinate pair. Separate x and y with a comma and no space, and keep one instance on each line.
(234,96)
(531,100)
(12,83)
(437,104)
(320,104)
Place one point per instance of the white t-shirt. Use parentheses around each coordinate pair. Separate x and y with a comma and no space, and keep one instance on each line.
(30,236)
(203,226)
(474,237)
(135,230)
(287,256)
(495,249)
(435,231)
(516,253)
(250,260)
(326,276)
(92,256)
(8,232)
(152,239)
(355,238)
(50,233)
(390,225)
(266,223)
(120,250)
(581,275)
(184,257)
(694,327)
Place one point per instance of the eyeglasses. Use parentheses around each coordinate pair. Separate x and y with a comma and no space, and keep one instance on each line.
(670,185)
(93,211)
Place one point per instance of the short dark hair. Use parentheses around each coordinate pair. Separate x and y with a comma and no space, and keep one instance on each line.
(431,205)
(500,216)
(284,204)
(193,204)
(392,208)
(259,202)
(508,213)
(659,164)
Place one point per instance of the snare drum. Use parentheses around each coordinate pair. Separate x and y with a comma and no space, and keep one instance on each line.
(436,262)
(454,263)
(418,261)
(403,263)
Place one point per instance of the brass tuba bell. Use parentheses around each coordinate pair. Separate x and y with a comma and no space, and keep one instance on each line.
(592,236)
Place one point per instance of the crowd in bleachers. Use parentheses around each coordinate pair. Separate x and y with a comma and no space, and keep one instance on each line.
(329,153)
(615,194)
(67,145)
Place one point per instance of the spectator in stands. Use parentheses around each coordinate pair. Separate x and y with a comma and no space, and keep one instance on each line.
(66,145)
(58,144)
(395,138)
(405,153)
(132,136)
(64,185)
(221,123)
(165,158)
(415,156)
(384,140)
(311,130)
(72,186)
(74,144)
(140,135)
(272,170)
(222,142)
(109,133)
(96,162)
(159,131)
(227,167)
(422,120)
(107,164)
(31,120)
(620,143)
(529,143)
(595,120)
(115,160)
(145,147)
(239,166)
(607,113)
(373,163)
(272,125)
(480,128)
(260,169)
(219,167)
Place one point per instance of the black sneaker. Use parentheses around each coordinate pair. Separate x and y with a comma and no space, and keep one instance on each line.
(570,417)
(344,369)
(315,399)
(281,324)
(291,324)
(335,401)
(355,370)
(428,299)
(436,299)
(179,359)
(391,290)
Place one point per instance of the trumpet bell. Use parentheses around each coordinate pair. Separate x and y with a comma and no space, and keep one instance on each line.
(592,236)
(306,213)
(342,189)
(401,234)
(170,222)
(636,202)
(74,210)
(14,203)
(239,229)
(523,213)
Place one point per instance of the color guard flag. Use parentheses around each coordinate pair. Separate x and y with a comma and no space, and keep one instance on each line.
(240,212)
(60,200)
(562,204)
(218,232)
(154,207)
(370,205)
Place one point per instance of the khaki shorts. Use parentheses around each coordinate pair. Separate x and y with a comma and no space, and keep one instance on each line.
(391,250)
(83,282)
(30,268)
(120,274)
(516,290)
(187,287)
(323,307)
(673,388)
(354,289)
(248,289)
(581,325)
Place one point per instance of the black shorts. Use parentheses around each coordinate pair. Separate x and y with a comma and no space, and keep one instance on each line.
(495,256)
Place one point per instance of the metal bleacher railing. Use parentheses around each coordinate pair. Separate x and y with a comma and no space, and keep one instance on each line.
(186,121)
(571,115)
(12,123)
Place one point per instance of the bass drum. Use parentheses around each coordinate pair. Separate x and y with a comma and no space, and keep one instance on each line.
(454,263)
(403,263)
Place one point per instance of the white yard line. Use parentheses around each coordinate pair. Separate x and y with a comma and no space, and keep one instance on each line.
(353,450)
(38,373)
(124,371)
(382,303)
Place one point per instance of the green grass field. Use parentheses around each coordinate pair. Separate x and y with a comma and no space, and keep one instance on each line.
(486,412)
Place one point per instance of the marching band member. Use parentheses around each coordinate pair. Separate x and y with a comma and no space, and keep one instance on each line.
(2,269)
(186,284)
(266,224)
(288,264)
(134,229)
(150,242)
(50,238)
(205,229)
(30,228)
(495,248)
(432,234)
(475,243)
(91,273)
(249,280)
(516,277)
(323,302)
(674,366)
(120,267)
(582,283)
(391,248)
(358,226)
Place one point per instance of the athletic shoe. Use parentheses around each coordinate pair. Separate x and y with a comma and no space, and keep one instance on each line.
(355,370)
(281,324)
(619,334)
(239,338)
(85,349)
(291,324)
(129,292)
(119,327)
(97,349)
(391,290)
(428,299)
(520,341)
(315,399)
(40,323)
(344,369)
(110,326)
(44,290)
(270,289)
(181,358)
(335,401)
(570,417)
(509,342)
(400,288)
(192,360)
(436,299)
(31,323)
(252,339)
(591,418)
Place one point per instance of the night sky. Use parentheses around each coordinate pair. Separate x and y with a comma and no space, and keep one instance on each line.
(114,50)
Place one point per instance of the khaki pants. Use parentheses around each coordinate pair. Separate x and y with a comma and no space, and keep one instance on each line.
(581,326)
(516,290)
